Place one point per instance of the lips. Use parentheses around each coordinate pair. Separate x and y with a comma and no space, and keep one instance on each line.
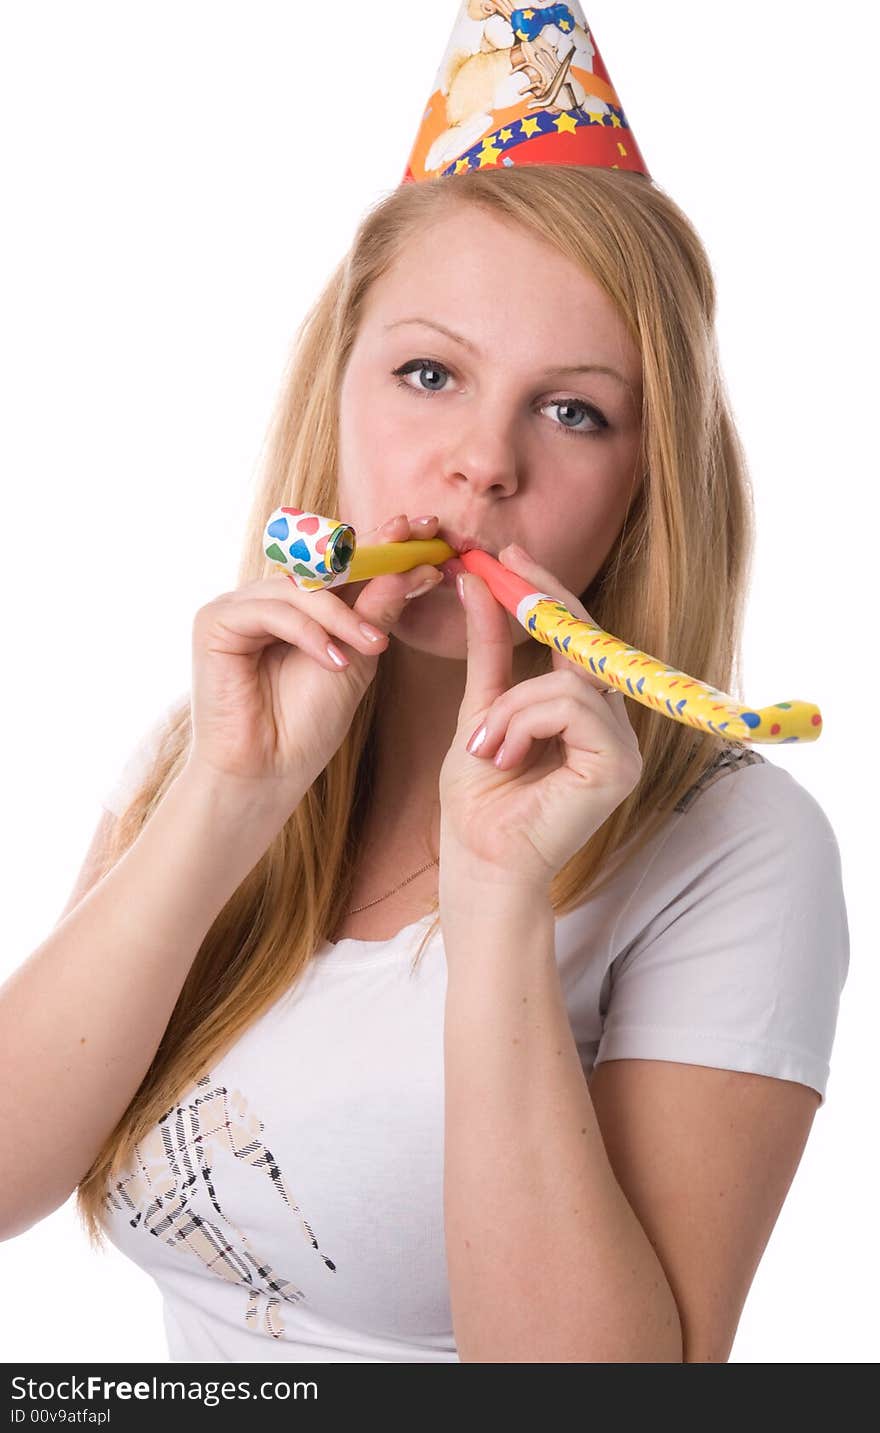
(450,569)
(462,542)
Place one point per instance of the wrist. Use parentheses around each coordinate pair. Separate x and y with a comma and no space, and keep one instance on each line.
(483,904)
(494,928)
(461,870)
(239,800)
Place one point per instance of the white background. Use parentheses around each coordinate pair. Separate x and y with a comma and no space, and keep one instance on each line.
(178,181)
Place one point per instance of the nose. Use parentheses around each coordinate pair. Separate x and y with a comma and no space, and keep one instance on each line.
(486,452)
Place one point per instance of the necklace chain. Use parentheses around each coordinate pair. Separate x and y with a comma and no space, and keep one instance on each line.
(396,888)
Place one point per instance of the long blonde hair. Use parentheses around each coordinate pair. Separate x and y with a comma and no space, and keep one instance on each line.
(674,585)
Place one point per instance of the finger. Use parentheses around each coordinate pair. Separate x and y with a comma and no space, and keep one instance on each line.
(399,528)
(573,722)
(382,600)
(366,621)
(489,647)
(253,623)
(393,530)
(533,692)
(387,529)
(402,528)
(615,702)
(424,526)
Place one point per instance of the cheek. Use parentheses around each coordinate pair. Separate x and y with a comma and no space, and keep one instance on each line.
(359,473)
(382,457)
(368,493)
(577,532)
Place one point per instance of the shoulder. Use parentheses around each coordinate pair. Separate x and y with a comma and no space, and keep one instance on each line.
(737,949)
(745,791)
(749,849)
(731,759)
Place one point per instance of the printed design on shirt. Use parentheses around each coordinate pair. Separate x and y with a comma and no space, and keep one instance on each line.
(178,1155)
(732,758)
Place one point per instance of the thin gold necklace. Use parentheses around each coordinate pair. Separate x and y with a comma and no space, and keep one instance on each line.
(396,888)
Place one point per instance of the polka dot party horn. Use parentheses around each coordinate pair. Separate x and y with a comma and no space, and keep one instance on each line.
(321,552)
(644,678)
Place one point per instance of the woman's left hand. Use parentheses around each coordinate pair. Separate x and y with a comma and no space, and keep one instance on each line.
(570,754)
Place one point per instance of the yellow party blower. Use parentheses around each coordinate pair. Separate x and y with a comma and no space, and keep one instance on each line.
(318,552)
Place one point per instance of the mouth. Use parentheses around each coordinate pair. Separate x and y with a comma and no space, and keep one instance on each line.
(462,542)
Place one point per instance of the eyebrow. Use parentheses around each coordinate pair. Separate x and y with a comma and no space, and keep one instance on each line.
(556,372)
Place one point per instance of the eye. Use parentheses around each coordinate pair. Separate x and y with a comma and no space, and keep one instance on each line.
(431,369)
(575,405)
(421,366)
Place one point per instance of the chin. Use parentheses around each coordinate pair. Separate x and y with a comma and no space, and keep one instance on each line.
(441,624)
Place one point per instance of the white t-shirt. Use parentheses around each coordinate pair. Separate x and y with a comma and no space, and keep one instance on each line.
(290,1205)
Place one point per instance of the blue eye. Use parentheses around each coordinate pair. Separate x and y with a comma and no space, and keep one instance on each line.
(420,366)
(424,366)
(592,413)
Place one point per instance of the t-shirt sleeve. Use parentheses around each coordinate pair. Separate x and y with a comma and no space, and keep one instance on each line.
(742,965)
(121,784)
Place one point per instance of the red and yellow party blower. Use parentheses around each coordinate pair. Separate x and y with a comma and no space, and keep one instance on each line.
(318,552)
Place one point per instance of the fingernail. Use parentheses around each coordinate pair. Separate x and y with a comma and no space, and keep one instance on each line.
(336,656)
(516,551)
(371,633)
(477,739)
(427,586)
(459,582)
(499,755)
(422,521)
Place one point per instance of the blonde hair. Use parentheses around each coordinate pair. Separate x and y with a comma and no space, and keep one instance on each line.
(674,585)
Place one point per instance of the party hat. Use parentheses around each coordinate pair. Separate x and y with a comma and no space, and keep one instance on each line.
(521,85)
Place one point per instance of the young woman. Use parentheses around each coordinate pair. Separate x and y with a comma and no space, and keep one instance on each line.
(366,1047)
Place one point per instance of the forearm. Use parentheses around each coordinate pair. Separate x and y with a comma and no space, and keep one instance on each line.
(82,1018)
(547,1261)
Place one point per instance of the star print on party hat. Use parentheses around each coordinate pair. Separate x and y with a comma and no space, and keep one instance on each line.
(521,86)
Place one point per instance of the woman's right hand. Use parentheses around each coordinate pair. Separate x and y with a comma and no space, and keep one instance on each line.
(269,704)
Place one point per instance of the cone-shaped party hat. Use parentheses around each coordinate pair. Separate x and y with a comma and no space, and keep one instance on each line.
(521,86)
